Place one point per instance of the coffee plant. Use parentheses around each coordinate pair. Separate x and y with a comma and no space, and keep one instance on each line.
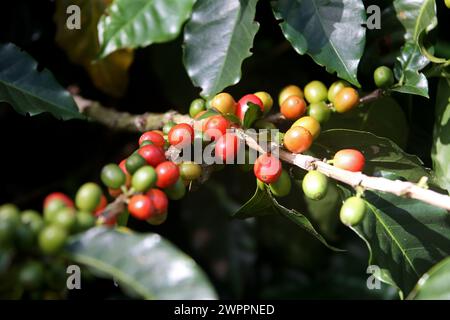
(333,114)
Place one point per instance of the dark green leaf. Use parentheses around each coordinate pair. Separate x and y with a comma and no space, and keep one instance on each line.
(372,118)
(139,23)
(329,31)
(405,237)
(253,112)
(381,154)
(258,205)
(30,91)
(145,264)
(263,203)
(218,39)
(441,142)
(416,16)
(407,71)
(435,284)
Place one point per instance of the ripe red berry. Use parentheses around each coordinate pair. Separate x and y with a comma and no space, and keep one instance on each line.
(154,137)
(215,127)
(226,147)
(122,165)
(60,196)
(267,168)
(140,206)
(181,135)
(242,105)
(349,159)
(168,173)
(152,154)
(159,201)
(102,205)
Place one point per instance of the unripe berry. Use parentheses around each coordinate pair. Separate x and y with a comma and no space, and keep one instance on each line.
(346,100)
(224,103)
(310,124)
(88,197)
(316,91)
(290,90)
(190,170)
(282,186)
(315,185)
(52,239)
(335,88)
(352,211)
(266,100)
(176,191)
(197,106)
(112,176)
(319,111)
(383,77)
(144,179)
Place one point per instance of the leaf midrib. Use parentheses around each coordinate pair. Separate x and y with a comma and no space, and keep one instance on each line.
(374,210)
(330,41)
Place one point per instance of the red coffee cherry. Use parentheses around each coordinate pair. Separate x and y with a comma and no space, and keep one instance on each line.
(181,135)
(226,147)
(152,154)
(242,105)
(215,127)
(349,159)
(102,205)
(154,137)
(159,201)
(122,165)
(267,168)
(140,206)
(168,174)
(293,107)
(60,196)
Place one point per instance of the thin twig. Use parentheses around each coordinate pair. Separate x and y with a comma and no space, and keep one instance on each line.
(156,121)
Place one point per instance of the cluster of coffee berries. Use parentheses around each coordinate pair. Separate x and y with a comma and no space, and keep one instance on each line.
(35,241)
(147,178)
(309,117)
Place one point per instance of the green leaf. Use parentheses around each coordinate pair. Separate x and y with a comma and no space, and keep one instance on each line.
(82,47)
(435,284)
(253,112)
(139,23)
(416,16)
(263,203)
(329,31)
(381,154)
(30,91)
(217,40)
(144,264)
(440,152)
(258,205)
(405,237)
(372,118)
(407,71)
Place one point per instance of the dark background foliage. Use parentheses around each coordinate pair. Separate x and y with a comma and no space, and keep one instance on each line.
(265,258)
